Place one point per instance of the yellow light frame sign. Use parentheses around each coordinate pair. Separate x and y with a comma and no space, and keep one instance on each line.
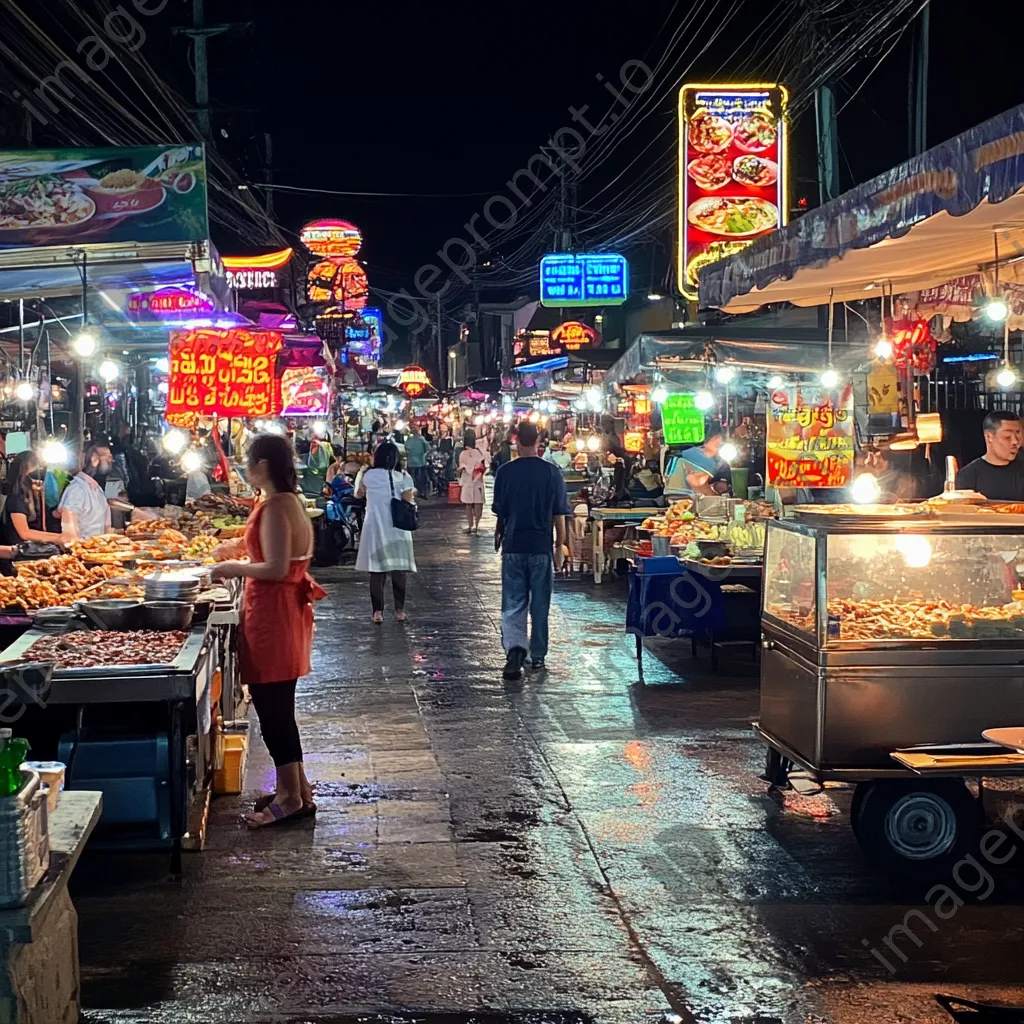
(733,172)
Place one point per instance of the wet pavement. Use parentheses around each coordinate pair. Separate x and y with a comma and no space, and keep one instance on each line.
(572,848)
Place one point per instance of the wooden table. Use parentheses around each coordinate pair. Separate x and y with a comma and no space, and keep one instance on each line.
(39,980)
(616,517)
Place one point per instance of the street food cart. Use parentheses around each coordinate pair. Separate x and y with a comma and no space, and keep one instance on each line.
(890,643)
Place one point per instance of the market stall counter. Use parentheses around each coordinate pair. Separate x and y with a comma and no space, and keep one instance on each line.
(141,760)
(886,637)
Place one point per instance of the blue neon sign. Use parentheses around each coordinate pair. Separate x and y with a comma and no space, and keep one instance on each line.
(367,340)
(583,279)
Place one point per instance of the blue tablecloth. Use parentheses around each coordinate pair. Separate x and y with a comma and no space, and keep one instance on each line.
(676,602)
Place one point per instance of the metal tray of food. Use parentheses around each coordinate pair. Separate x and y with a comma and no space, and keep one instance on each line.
(184,662)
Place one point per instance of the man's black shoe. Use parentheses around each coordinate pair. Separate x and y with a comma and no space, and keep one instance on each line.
(514,663)
(537,665)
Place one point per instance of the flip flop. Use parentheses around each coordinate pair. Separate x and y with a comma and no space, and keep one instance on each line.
(279,817)
(307,811)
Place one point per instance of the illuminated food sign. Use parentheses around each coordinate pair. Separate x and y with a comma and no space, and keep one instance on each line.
(732,172)
(413,380)
(331,238)
(810,437)
(574,335)
(681,421)
(583,279)
(339,279)
(169,304)
(250,273)
(224,373)
(305,391)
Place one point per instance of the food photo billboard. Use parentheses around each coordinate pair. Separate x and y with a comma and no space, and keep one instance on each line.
(732,172)
(82,196)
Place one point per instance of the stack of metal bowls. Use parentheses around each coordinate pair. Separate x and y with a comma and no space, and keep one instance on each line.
(172,588)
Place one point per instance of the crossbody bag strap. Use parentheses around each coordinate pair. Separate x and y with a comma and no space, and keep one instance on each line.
(391,481)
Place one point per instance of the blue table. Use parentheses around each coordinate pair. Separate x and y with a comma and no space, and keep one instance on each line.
(669,598)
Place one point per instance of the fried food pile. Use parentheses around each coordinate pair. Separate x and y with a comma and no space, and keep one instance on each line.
(61,580)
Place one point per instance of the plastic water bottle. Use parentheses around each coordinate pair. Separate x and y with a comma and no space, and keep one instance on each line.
(12,753)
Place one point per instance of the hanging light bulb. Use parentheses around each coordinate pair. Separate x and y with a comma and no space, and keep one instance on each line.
(1005,377)
(53,453)
(580,444)
(108,370)
(775,381)
(191,461)
(829,379)
(320,428)
(865,490)
(883,348)
(724,374)
(996,309)
(659,394)
(84,345)
(173,441)
(163,364)
(703,400)
(24,391)
(534,416)
(593,442)
(728,451)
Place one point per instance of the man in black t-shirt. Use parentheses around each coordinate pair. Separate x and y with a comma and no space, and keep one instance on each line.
(997,474)
(531,504)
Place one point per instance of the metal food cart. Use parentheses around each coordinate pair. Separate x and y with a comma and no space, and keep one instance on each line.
(882,636)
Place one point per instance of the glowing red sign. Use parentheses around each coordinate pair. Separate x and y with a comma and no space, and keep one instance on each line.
(224,373)
(574,335)
(413,380)
(331,238)
(913,344)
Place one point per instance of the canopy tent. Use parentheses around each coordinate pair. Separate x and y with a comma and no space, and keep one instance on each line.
(765,346)
(938,216)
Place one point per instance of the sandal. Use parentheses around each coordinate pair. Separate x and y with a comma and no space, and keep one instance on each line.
(400,616)
(278,817)
(378,617)
(307,811)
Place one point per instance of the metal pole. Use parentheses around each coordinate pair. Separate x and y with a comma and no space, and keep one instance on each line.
(828,143)
(21,335)
(919,70)
(268,172)
(442,366)
(78,410)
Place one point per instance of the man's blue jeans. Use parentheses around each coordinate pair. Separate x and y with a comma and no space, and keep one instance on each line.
(526,582)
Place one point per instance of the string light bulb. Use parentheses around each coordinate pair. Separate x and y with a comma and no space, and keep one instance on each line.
(774,382)
(865,490)
(728,451)
(883,348)
(24,391)
(703,400)
(659,394)
(829,379)
(84,345)
(173,441)
(593,442)
(1006,377)
(996,310)
(725,374)
(108,370)
(191,461)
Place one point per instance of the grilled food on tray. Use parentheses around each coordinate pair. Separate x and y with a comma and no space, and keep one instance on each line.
(96,649)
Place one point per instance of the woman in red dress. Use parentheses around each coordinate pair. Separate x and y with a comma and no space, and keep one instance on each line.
(277,620)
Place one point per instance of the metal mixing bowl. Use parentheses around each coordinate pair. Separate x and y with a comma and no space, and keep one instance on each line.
(167,615)
(114,613)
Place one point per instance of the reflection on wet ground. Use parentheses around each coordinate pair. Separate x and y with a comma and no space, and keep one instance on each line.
(569,848)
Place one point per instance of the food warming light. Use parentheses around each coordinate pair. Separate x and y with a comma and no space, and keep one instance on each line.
(865,490)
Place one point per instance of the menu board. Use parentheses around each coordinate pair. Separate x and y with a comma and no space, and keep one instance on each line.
(810,437)
(224,373)
(732,179)
(681,421)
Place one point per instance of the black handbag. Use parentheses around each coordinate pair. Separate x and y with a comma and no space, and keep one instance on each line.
(404,514)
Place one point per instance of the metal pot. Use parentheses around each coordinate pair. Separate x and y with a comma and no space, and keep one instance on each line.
(115,613)
(167,615)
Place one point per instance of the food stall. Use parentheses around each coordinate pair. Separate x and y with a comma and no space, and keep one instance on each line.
(891,643)
(145,669)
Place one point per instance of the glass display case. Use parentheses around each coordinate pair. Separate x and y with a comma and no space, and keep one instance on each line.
(875,583)
(883,635)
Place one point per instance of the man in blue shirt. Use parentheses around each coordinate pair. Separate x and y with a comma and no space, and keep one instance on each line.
(416,449)
(529,501)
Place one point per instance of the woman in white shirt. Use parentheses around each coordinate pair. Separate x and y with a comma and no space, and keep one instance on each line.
(472,466)
(382,548)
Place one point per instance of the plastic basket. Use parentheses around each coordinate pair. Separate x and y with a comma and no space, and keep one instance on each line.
(24,841)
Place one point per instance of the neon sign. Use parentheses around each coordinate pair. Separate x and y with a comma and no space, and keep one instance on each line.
(246,273)
(733,170)
(331,238)
(169,303)
(583,279)
(413,380)
(574,335)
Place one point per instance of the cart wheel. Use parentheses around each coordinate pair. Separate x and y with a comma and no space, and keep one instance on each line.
(776,768)
(915,828)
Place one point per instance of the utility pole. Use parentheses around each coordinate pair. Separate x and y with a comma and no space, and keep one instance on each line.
(199,32)
(828,143)
(442,366)
(268,172)
(917,91)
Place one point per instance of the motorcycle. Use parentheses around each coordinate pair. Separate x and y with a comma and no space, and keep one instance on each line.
(344,521)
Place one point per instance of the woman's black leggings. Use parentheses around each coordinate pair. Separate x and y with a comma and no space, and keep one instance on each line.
(275,708)
(377,590)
